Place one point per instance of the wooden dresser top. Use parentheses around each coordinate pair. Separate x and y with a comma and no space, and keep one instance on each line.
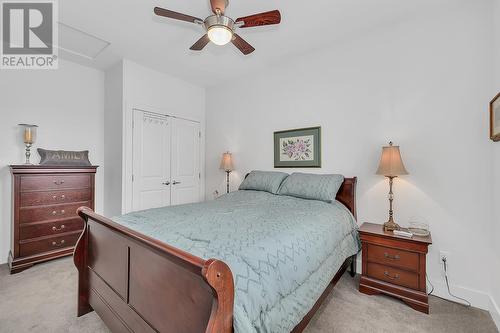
(378,230)
(35,168)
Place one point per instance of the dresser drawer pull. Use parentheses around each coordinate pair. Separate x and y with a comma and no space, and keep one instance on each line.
(61,243)
(55,212)
(58,229)
(62,197)
(395,277)
(388,256)
(58,182)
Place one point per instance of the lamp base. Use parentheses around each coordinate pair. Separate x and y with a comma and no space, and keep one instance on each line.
(391,225)
(227,181)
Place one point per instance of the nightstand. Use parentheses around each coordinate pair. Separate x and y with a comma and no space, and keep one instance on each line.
(394,265)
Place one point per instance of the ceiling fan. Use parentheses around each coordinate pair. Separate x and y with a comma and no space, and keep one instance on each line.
(220,28)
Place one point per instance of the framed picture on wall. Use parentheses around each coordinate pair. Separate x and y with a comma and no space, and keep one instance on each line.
(298,148)
(495,118)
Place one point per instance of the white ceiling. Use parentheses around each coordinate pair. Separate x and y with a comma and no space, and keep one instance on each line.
(137,34)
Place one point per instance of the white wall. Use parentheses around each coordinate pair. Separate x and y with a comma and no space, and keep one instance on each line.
(149,90)
(67,104)
(113,136)
(425,85)
(495,234)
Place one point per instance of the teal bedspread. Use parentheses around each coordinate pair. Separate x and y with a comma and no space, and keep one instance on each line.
(283,251)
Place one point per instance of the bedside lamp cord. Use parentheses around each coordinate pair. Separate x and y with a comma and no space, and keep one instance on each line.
(466,304)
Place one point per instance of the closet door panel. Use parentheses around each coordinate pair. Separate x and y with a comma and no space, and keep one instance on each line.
(151,161)
(185,161)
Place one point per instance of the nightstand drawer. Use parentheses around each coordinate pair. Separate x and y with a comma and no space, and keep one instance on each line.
(393,257)
(393,275)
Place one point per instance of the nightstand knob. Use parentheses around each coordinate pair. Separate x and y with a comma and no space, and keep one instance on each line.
(388,256)
(395,277)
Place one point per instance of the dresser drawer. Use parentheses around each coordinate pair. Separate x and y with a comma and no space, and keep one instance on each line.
(54,182)
(52,212)
(34,230)
(54,197)
(393,275)
(394,257)
(31,247)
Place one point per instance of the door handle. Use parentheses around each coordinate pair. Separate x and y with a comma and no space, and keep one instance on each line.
(166,183)
(176,182)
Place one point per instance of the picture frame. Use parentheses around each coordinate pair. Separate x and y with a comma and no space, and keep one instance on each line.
(495,118)
(298,148)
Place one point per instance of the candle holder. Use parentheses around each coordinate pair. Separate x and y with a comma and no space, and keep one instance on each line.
(29,136)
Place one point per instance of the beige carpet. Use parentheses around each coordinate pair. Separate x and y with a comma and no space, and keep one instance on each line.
(43,299)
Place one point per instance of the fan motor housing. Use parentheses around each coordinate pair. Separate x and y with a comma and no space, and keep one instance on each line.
(219,20)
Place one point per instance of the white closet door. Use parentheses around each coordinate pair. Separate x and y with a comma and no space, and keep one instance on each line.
(185,161)
(151,160)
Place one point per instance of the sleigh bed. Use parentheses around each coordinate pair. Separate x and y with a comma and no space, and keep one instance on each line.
(140,283)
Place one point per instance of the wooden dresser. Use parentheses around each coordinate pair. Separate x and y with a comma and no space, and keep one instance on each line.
(394,266)
(45,200)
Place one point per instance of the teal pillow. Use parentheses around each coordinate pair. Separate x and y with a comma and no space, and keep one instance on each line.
(310,186)
(268,181)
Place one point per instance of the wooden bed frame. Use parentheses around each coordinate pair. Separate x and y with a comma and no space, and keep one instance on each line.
(139,284)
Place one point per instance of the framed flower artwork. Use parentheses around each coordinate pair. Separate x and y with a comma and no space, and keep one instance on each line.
(298,148)
(495,118)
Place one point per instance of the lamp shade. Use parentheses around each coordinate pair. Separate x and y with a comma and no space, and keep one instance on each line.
(391,164)
(226,163)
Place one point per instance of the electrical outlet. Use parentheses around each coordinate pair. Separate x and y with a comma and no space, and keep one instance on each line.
(444,255)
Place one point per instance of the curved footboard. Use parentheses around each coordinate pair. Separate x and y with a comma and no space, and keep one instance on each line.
(138,284)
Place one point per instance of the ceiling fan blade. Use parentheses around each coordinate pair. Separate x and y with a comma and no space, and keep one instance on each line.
(200,44)
(176,16)
(242,45)
(219,4)
(267,18)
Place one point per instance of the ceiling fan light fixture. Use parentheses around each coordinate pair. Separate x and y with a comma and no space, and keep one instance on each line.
(220,29)
(219,34)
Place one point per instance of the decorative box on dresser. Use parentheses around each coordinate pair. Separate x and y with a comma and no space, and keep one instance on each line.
(394,265)
(45,200)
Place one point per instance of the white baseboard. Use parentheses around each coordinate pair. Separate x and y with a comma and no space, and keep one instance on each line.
(477,298)
(495,312)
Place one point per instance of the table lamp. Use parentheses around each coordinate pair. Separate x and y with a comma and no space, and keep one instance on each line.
(29,135)
(391,165)
(226,164)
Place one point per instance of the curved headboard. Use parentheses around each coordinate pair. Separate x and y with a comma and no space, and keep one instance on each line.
(346,194)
